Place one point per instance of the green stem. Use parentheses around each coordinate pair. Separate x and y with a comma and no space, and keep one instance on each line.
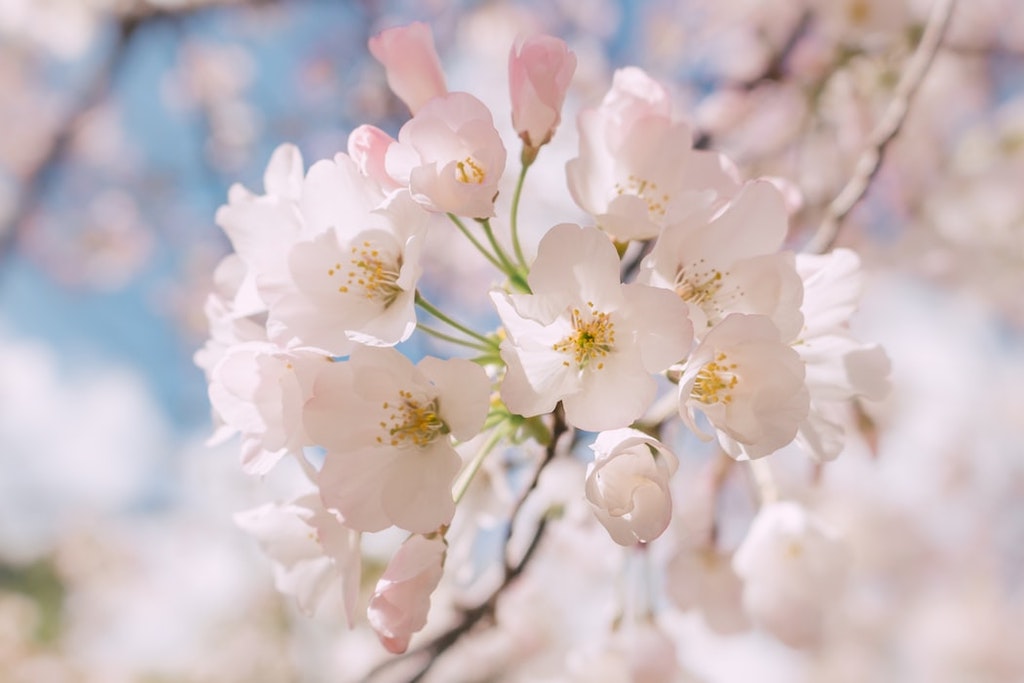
(516,275)
(476,243)
(434,311)
(506,263)
(466,476)
(454,340)
(514,217)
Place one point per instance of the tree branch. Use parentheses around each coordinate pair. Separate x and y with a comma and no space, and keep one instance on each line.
(885,130)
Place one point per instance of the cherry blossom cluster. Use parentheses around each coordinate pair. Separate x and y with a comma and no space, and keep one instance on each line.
(675,301)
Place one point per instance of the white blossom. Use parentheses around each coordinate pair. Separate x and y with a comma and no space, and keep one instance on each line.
(387,427)
(585,339)
(637,169)
(748,383)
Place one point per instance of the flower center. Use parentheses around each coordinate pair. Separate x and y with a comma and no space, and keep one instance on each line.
(470,172)
(715,382)
(590,340)
(410,422)
(369,274)
(647,191)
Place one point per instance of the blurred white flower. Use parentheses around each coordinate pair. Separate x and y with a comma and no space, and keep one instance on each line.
(793,567)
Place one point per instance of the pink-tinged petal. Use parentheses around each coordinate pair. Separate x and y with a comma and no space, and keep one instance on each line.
(754,223)
(401,599)
(411,63)
(612,396)
(336,195)
(353,482)
(417,496)
(465,389)
(578,260)
(284,173)
(535,380)
(451,155)
(540,69)
(832,289)
(664,332)
(368,147)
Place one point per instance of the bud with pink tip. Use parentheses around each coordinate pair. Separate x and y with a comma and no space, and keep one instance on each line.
(411,62)
(539,71)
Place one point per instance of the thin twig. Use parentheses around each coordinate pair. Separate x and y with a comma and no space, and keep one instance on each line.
(432,650)
(885,130)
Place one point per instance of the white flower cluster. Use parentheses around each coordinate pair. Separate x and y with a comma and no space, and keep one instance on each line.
(324,282)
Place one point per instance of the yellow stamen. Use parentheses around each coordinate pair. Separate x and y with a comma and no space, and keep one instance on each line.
(715,382)
(647,191)
(470,172)
(592,338)
(411,422)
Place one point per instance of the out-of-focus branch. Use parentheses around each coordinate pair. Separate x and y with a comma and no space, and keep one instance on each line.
(128,21)
(885,130)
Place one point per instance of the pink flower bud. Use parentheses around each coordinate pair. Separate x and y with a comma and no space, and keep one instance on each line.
(367,145)
(411,62)
(539,71)
(401,600)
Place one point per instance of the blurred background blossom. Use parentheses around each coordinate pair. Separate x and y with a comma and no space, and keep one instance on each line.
(124,123)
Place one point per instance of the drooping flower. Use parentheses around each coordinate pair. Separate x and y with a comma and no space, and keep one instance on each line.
(355,282)
(387,428)
(730,262)
(637,170)
(839,367)
(748,383)
(311,549)
(411,63)
(450,156)
(792,566)
(258,389)
(540,69)
(401,599)
(627,485)
(583,337)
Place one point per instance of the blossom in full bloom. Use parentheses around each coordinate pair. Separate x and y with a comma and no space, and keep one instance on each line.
(387,428)
(583,337)
(261,227)
(627,485)
(540,69)
(355,282)
(450,156)
(410,60)
(792,566)
(311,549)
(257,389)
(748,383)
(729,262)
(839,367)
(637,170)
